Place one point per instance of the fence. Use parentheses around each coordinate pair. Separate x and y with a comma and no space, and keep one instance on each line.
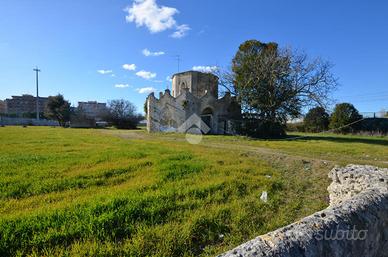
(374,114)
(381,114)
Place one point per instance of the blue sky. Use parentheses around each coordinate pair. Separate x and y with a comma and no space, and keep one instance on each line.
(74,42)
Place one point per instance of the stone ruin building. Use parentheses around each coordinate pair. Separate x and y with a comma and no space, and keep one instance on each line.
(194,97)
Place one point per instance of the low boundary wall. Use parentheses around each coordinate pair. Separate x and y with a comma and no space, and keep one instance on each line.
(354,225)
(8,121)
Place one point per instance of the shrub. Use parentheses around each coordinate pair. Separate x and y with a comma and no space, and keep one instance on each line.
(296,127)
(78,119)
(261,129)
(374,126)
(316,120)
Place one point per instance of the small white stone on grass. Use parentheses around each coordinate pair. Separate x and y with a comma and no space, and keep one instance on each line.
(264,196)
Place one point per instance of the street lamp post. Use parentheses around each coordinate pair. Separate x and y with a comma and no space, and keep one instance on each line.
(37,92)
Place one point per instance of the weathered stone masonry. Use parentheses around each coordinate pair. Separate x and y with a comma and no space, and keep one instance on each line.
(192,93)
(354,225)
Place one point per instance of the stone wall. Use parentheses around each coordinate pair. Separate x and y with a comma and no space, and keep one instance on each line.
(8,121)
(354,225)
(198,83)
(168,113)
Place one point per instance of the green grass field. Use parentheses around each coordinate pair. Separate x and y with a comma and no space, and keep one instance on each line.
(76,192)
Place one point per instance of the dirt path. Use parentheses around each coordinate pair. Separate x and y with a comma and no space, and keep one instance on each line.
(240,147)
(237,146)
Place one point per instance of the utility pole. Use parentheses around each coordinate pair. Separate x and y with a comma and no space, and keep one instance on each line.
(37,91)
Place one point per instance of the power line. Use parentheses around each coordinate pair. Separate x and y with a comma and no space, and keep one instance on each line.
(369,93)
(377,99)
(330,130)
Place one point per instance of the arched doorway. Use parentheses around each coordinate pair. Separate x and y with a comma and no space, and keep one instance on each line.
(182,87)
(207,117)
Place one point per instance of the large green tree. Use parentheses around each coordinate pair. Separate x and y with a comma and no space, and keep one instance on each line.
(344,118)
(274,84)
(316,120)
(58,108)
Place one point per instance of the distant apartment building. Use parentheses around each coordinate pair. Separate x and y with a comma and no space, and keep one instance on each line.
(24,104)
(3,107)
(93,109)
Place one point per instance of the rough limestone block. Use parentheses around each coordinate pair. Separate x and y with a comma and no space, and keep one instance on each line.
(354,225)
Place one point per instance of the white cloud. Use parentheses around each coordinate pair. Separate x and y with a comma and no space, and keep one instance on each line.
(129,66)
(146,74)
(104,71)
(147,53)
(207,69)
(148,13)
(145,90)
(156,18)
(121,85)
(181,31)
(168,78)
